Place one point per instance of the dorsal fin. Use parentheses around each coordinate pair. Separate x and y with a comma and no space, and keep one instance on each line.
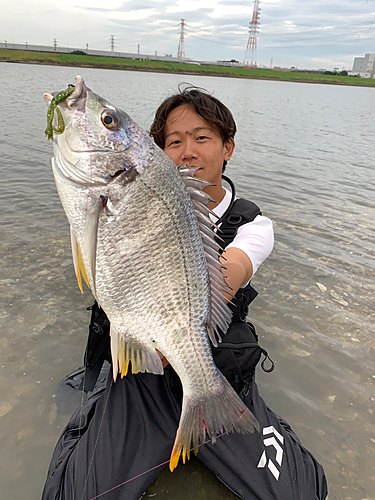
(220,312)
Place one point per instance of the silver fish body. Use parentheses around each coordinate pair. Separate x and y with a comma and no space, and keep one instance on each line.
(141,238)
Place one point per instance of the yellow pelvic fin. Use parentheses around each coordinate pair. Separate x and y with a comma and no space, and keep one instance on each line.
(81,270)
(114,351)
(79,267)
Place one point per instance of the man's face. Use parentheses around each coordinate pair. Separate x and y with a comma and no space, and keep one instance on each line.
(190,139)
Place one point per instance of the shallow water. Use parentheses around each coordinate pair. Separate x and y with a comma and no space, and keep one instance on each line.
(304,154)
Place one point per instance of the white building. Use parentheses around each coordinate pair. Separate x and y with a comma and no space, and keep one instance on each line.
(364,66)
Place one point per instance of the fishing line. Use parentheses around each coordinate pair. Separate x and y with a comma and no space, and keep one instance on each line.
(85,358)
(108,394)
(90,192)
(161,306)
(97,439)
(157,466)
(109,390)
(150,470)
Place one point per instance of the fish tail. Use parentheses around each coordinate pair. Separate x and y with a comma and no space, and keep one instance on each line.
(223,412)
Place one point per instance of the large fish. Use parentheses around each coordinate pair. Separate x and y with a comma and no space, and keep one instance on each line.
(142,239)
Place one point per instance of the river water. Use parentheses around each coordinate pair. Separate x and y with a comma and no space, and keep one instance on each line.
(305,155)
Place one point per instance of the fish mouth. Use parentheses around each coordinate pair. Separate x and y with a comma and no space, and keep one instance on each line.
(77,99)
(80,90)
(64,162)
(78,96)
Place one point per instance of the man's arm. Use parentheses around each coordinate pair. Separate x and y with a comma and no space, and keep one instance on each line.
(238,270)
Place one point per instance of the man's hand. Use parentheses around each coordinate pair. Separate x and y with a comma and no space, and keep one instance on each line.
(239,269)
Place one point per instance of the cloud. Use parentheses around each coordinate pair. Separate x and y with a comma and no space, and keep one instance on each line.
(181,6)
(294,32)
(132,15)
(122,7)
(232,12)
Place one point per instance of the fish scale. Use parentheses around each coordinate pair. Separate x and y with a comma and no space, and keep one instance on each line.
(150,257)
(135,274)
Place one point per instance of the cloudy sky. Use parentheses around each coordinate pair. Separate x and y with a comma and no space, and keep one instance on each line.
(301,33)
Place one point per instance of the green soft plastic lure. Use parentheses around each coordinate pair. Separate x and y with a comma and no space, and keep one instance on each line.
(59,97)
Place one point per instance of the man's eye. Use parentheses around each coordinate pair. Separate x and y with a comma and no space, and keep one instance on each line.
(201,137)
(175,142)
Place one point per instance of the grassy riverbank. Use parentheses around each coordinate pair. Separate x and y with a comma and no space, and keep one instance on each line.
(25,56)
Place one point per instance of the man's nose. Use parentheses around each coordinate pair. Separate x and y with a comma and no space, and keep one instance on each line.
(189,152)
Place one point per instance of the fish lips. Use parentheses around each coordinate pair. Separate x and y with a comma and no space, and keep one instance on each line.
(77,99)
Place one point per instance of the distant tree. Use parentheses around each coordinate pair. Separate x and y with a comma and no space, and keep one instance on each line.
(79,53)
(343,73)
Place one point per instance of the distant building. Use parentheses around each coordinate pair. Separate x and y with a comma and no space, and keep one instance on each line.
(364,66)
(279,68)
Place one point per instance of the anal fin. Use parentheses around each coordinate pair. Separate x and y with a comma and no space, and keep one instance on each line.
(141,358)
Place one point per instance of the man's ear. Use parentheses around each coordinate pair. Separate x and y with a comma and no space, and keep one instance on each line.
(229,148)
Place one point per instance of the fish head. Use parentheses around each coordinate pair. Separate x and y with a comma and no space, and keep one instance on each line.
(99,142)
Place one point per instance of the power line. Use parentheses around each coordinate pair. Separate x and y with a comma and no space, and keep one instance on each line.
(230,33)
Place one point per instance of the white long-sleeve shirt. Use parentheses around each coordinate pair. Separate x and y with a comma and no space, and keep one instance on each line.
(254,238)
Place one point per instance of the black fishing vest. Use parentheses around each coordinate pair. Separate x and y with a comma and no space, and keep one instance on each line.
(238,354)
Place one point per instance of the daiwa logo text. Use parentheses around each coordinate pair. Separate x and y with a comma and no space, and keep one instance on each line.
(272,441)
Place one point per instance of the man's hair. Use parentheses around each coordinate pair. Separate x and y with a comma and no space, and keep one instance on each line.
(214,112)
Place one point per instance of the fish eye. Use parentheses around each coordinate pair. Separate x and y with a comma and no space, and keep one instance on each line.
(109,120)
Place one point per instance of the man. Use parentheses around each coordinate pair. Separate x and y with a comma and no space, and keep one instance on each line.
(116,444)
